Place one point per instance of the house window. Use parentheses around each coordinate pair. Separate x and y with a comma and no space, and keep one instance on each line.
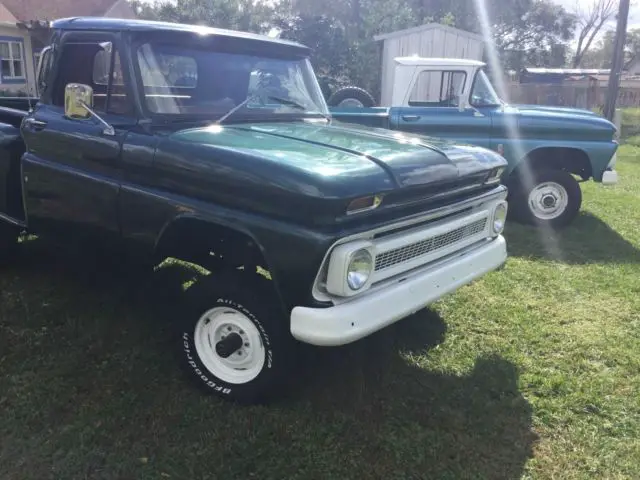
(12,60)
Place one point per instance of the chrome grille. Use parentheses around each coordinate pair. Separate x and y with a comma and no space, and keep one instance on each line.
(409,252)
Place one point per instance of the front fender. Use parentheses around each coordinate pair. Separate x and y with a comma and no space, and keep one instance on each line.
(598,153)
(292,254)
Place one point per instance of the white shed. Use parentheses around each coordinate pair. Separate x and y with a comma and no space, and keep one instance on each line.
(431,40)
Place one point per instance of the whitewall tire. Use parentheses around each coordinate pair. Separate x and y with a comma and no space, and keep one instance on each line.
(235,342)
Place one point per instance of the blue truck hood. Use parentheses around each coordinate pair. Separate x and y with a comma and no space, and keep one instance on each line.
(572,123)
(549,110)
(340,160)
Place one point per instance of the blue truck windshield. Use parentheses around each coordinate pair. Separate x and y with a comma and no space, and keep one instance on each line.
(183,80)
(483,93)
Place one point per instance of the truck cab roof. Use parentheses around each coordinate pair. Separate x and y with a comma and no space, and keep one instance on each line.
(118,24)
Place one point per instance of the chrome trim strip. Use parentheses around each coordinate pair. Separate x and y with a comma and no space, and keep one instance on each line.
(12,221)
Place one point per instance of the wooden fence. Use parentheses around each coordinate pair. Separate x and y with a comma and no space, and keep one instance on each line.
(579,96)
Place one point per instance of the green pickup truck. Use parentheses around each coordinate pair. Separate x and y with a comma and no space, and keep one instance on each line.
(216,148)
(548,148)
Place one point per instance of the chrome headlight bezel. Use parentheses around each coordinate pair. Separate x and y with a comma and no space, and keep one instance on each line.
(340,262)
(499,218)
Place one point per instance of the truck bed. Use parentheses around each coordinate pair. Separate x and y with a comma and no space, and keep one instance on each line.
(18,103)
(13,109)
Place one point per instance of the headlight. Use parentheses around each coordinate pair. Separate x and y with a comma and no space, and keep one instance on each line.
(350,268)
(359,269)
(495,175)
(499,218)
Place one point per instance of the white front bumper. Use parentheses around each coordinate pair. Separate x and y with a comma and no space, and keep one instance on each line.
(374,310)
(610,177)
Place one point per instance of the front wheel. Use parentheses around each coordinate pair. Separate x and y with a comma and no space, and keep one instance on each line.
(235,340)
(552,198)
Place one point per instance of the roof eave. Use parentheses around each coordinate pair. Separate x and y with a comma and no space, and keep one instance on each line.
(424,28)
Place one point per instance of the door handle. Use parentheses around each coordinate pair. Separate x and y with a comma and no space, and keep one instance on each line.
(411,118)
(35,124)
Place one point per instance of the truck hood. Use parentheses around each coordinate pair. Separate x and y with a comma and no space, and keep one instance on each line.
(546,110)
(569,124)
(343,160)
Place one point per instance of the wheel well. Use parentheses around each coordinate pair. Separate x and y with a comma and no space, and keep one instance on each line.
(209,245)
(571,160)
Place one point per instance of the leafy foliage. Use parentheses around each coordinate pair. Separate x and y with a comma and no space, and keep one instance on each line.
(591,20)
(602,55)
(246,15)
(532,32)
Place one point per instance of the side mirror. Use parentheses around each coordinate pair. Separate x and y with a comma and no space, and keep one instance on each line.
(77,97)
(78,104)
(462,103)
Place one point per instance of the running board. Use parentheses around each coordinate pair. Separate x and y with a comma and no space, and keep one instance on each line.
(13,221)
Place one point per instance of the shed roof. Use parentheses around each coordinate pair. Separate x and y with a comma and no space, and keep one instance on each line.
(425,28)
(430,61)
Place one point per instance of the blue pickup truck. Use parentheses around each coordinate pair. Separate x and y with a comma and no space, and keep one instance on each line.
(549,150)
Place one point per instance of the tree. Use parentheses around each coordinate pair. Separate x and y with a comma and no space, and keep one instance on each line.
(327,40)
(360,21)
(457,13)
(245,15)
(591,20)
(525,32)
(601,55)
(531,32)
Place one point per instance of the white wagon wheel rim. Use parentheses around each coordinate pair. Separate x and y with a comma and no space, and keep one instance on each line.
(243,364)
(548,200)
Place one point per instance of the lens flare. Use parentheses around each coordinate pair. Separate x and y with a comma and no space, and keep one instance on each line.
(547,235)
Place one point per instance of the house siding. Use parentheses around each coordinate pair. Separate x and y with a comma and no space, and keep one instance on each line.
(28,85)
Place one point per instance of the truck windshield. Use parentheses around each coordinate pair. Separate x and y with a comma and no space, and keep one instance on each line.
(483,93)
(193,81)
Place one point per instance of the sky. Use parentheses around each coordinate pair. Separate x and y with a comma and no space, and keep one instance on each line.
(634,13)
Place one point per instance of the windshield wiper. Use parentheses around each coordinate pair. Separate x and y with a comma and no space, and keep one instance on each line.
(235,109)
(293,104)
(281,100)
(289,103)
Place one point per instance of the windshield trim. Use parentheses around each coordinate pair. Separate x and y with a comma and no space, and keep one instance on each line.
(480,72)
(237,118)
(240,116)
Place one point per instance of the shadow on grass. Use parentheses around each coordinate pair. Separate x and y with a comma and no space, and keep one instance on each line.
(413,421)
(93,391)
(587,240)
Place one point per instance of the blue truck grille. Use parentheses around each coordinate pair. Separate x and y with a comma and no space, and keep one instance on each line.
(409,252)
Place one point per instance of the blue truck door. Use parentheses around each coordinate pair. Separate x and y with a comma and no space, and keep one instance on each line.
(72,167)
(433,110)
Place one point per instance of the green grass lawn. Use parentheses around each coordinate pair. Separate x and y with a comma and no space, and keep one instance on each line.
(532,372)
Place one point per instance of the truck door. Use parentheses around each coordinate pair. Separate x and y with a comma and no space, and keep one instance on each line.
(433,109)
(72,166)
